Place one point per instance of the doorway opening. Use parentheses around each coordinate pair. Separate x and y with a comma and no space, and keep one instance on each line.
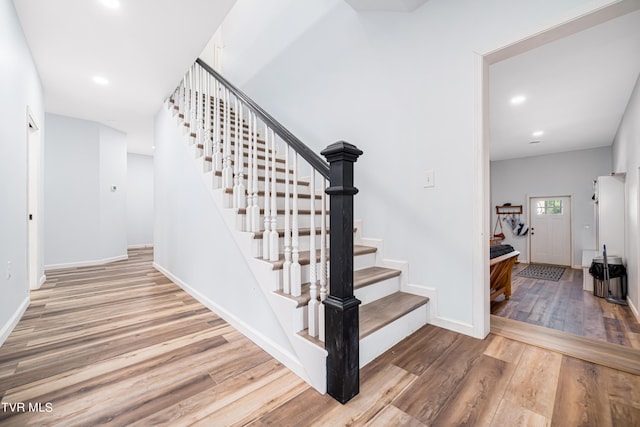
(483,166)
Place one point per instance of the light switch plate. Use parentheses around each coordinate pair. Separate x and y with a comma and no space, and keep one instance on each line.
(429,179)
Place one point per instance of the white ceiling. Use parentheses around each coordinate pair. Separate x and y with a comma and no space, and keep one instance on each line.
(577,89)
(143,48)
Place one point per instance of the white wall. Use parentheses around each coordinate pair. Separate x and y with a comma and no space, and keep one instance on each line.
(626,158)
(20,88)
(85,221)
(193,244)
(403,87)
(139,200)
(562,174)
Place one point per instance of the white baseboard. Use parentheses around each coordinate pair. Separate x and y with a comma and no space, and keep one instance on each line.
(150,245)
(435,318)
(633,308)
(85,263)
(40,283)
(282,355)
(13,321)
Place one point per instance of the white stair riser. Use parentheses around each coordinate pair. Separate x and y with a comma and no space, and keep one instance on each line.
(280,186)
(303,203)
(383,339)
(378,290)
(303,221)
(366,260)
(280,176)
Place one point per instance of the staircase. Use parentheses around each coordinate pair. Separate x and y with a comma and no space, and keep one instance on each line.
(271,188)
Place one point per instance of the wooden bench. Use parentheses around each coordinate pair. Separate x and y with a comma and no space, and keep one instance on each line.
(500,274)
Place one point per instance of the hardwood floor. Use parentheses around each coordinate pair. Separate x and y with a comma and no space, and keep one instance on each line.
(122,345)
(564,306)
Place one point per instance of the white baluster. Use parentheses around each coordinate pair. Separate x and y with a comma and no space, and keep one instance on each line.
(192,103)
(274,247)
(208,144)
(217,131)
(255,216)
(201,110)
(286,267)
(296,273)
(187,98)
(242,197)
(227,167)
(195,128)
(236,159)
(323,260)
(249,210)
(313,287)
(267,205)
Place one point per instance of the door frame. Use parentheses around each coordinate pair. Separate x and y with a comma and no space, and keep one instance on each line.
(529,217)
(587,17)
(34,191)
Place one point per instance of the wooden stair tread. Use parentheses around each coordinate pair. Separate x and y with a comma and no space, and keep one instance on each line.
(379,313)
(260,167)
(280,194)
(304,258)
(278,180)
(361,278)
(233,152)
(243,211)
(370,275)
(301,232)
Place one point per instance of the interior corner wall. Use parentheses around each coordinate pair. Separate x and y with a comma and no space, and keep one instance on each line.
(626,159)
(85,222)
(402,87)
(565,174)
(139,200)
(21,89)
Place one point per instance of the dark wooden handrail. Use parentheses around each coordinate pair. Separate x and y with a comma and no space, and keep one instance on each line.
(290,139)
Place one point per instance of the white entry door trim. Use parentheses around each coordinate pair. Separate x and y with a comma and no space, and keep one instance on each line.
(550,240)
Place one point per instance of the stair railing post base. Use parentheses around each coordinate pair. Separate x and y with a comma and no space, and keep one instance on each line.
(342,340)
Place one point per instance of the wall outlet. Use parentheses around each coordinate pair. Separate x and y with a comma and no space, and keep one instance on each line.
(429,179)
(8,270)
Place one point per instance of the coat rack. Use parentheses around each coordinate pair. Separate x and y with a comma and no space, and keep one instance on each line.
(509,210)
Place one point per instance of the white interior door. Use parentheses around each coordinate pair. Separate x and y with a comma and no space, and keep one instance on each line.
(550,230)
(33,166)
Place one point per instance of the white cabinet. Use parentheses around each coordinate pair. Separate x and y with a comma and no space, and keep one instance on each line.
(609,197)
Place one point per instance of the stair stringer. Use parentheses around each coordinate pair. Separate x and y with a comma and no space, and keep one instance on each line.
(309,361)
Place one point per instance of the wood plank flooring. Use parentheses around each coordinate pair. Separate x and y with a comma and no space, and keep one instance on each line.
(122,345)
(564,306)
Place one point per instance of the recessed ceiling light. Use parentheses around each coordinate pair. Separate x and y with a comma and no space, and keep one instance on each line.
(100,80)
(518,99)
(538,133)
(111,4)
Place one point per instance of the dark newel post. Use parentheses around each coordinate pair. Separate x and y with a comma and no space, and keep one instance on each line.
(341,307)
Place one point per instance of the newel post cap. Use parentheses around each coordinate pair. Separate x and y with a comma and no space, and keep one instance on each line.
(341,150)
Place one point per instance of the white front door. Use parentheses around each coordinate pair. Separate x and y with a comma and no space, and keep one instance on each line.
(550,230)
